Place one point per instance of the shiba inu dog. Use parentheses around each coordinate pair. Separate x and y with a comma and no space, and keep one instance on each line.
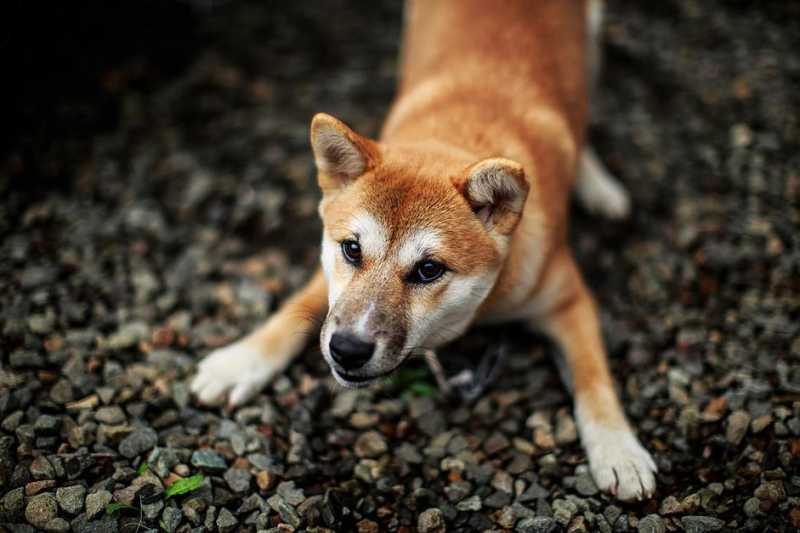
(458,214)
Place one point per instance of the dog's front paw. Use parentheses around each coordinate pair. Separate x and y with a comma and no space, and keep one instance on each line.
(619,464)
(239,371)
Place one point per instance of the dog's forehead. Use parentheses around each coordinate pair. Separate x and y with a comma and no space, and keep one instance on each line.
(410,202)
(413,213)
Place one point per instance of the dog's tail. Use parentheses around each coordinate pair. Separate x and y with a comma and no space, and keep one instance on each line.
(595,13)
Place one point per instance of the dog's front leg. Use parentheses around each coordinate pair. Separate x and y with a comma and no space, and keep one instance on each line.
(241,369)
(619,464)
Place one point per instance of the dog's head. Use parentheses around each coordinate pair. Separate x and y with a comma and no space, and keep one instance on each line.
(414,239)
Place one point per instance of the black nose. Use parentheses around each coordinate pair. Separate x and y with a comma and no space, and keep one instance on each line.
(349,351)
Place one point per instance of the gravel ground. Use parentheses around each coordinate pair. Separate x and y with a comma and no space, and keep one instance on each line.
(159,202)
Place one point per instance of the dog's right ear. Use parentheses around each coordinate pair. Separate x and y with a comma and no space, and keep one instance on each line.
(341,154)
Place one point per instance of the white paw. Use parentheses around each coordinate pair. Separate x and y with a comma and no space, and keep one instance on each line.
(238,370)
(599,191)
(619,464)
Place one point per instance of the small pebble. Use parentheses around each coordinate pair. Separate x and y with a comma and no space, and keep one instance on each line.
(41,509)
(736,426)
(226,521)
(701,524)
(371,444)
(96,503)
(207,459)
(138,442)
(431,521)
(71,499)
(651,523)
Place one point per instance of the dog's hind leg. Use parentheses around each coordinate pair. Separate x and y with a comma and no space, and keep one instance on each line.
(598,190)
(239,371)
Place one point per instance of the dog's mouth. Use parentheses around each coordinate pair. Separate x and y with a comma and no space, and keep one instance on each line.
(353,380)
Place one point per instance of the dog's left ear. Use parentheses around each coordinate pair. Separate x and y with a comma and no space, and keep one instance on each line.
(496,190)
(341,154)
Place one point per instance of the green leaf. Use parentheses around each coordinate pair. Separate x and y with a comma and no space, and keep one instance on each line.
(144,467)
(112,508)
(421,388)
(182,486)
(405,377)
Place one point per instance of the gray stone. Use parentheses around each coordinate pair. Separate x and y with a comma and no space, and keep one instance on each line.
(497,499)
(211,514)
(128,335)
(226,521)
(473,503)
(458,490)
(290,494)
(42,469)
(431,521)
(171,517)
(209,460)
(238,479)
(534,492)
(106,524)
(12,421)
(496,442)
(506,517)
(96,503)
(538,524)
(566,432)
(152,509)
(737,424)
(371,444)
(46,425)
(563,511)
(138,442)
(651,523)
(193,510)
(61,392)
(700,524)
(286,511)
(57,525)
(163,460)
(772,491)
(25,358)
(110,415)
(41,509)
(42,323)
(13,503)
(251,503)
(585,485)
(752,507)
(612,514)
(71,499)
(344,403)
(408,453)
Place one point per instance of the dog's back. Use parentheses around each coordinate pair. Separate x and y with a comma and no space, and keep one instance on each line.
(469,72)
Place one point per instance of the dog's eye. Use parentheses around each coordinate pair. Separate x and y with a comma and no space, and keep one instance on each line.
(351,251)
(427,271)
